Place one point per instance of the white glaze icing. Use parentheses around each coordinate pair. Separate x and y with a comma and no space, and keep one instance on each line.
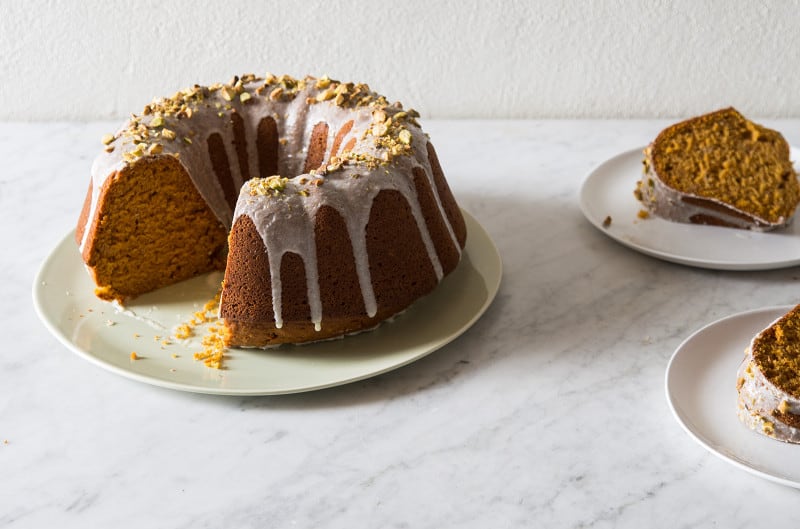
(286,223)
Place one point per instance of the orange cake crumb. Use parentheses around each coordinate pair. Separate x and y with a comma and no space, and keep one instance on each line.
(213,341)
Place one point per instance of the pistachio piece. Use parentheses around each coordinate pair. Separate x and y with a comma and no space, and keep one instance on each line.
(138,150)
(326,95)
(380,129)
(334,164)
(277,183)
(405,137)
(108,138)
(276,93)
(227,93)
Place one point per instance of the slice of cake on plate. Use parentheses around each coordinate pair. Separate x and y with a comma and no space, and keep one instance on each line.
(720,169)
(768,380)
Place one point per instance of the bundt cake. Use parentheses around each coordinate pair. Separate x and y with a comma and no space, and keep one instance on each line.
(768,380)
(720,169)
(325,205)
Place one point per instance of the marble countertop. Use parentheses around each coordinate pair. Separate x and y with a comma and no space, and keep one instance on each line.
(549,412)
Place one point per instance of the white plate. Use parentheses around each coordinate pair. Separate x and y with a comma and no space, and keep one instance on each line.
(701,391)
(64,299)
(608,192)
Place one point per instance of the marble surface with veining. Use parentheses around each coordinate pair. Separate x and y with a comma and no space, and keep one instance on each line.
(549,412)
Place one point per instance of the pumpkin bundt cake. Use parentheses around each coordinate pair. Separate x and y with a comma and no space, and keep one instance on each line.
(720,169)
(768,380)
(325,205)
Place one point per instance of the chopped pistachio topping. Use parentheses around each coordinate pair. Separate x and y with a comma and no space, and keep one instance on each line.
(276,93)
(327,94)
(272,185)
(404,136)
(334,164)
(389,129)
(380,129)
(227,93)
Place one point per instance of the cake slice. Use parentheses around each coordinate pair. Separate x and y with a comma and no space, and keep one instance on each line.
(768,380)
(720,169)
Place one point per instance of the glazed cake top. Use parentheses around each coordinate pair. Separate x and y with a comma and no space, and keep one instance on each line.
(179,126)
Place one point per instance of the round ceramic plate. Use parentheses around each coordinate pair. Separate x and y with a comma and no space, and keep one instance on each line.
(701,391)
(608,192)
(97,331)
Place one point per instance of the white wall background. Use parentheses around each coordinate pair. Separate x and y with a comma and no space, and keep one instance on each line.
(594,58)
